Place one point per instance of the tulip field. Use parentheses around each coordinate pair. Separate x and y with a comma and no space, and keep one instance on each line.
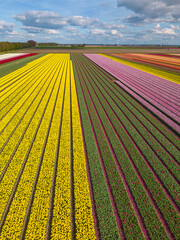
(157,94)
(89,149)
(164,61)
(158,59)
(154,68)
(5,58)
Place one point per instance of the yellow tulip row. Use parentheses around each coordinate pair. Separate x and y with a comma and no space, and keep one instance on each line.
(20,120)
(4,156)
(41,139)
(83,209)
(19,83)
(61,225)
(40,207)
(61,222)
(33,78)
(5,80)
(14,220)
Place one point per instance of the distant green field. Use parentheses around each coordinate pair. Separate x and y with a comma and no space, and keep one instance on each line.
(97,47)
(57,47)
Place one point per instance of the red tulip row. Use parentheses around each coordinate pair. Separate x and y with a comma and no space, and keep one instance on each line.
(157,63)
(16,58)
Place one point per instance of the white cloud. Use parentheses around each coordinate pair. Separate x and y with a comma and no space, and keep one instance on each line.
(52,20)
(115,32)
(158,25)
(6,28)
(34,30)
(82,21)
(106,34)
(151,11)
(30,29)
(97,32)
(42,19)
(51,31)
(111,26)
(167,31)
(31,35)
(71,29)
(174,27)
(35,21)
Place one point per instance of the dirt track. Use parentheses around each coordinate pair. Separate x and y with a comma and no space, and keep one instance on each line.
(106,51)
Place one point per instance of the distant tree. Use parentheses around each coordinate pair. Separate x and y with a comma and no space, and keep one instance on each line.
(48,44)
(32,43)
(10,46)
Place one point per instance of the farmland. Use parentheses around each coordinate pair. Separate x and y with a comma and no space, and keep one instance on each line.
(161,60)
(4,58)
(89,149)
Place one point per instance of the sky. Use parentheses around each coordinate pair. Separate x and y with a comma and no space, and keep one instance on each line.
(91,21)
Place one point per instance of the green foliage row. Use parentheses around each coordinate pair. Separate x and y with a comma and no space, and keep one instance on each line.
(148,177)
(106,220)
(127,215)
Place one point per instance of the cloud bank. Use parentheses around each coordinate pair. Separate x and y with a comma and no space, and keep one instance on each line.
(33,20)
(151,11)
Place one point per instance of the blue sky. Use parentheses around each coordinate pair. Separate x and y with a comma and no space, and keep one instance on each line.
(91,22)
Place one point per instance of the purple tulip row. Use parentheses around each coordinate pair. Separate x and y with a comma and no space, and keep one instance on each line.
(159,95)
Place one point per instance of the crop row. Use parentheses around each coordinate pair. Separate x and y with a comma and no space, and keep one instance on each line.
(149,68)
(10,59)
(164,61)
(10,55)
(143,87)
(165,55)
(81,158)
(140,173)
(29,143)
(44,188)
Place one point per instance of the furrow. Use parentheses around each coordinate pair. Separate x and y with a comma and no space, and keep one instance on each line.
(20,91)
(83,210)
(8,204)
(103,95)
(104,210)
(6,130)
(18,137)
(52,194)
(22,97)
(106,172)
(133,122)
(38,203)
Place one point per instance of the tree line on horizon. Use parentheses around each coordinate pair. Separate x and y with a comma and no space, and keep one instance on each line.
(9,46)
